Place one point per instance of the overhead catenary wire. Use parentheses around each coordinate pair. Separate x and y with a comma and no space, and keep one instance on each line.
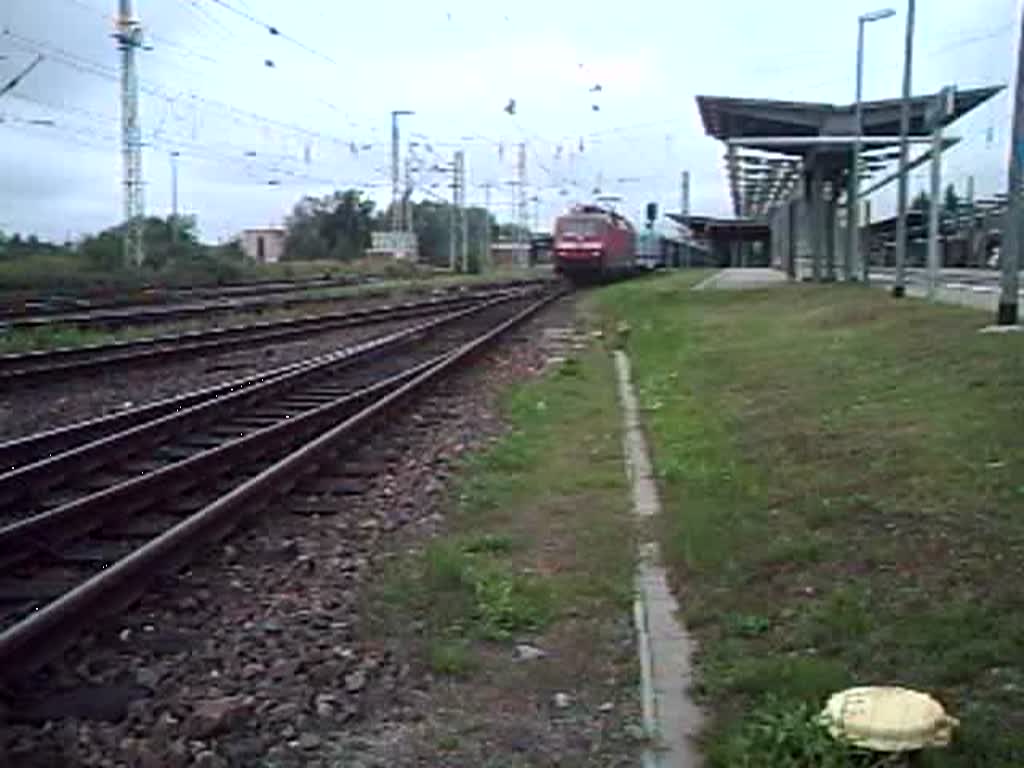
(276,32)
(97,69)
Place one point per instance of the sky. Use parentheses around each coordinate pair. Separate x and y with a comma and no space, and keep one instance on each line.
(261,119)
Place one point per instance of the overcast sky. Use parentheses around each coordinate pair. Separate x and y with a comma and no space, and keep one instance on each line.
(309,109)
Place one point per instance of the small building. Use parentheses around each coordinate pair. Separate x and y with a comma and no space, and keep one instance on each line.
(264,245)
(506,254)
(402,246)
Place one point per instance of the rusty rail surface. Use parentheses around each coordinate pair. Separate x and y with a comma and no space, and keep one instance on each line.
(34,366)
(307,441)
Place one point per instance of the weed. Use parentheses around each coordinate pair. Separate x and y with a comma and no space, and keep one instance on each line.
(788,734)
(507,603)
(570,368)
(489,544)
(469,593)
(454,658)
(751,626)
(842,618)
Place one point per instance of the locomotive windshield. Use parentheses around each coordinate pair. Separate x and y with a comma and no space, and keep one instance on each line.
(580,226)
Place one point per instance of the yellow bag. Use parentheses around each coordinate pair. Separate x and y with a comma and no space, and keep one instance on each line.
(888,719)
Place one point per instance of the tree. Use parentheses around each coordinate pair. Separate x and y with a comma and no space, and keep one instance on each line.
(165,243)
(513,232)
(951,201)
(921,202)
(337,226)
(104,251)
(478,223)
(431,223)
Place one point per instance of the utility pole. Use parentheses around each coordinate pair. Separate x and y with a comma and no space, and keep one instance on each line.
(486,259)
(853,184)
(971,223)
(396,213)
(174,200)
(460,205)
(451,213)
(937,114)
(1009,255)
(684,200)
(684,206)
(129,40)
(933,214)
(522,208)
(865,248)
(406,220)
(899,287)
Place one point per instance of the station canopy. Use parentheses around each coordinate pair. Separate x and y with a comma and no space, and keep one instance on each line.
(712,228)
(772,143)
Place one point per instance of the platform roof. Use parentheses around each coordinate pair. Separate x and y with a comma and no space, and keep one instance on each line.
(729,118)
(715,228)
(779,138)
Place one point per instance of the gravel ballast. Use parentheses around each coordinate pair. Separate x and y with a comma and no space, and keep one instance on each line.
(256,655)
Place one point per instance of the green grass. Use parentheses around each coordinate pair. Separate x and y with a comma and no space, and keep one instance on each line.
(539,528)
(25,340)
(843,480)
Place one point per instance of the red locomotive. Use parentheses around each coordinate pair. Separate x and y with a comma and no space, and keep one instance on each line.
(594,243)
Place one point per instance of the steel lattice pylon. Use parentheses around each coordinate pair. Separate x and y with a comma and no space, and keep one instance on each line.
(129,40)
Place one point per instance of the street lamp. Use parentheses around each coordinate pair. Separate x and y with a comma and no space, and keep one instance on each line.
(853,190)
(899,287)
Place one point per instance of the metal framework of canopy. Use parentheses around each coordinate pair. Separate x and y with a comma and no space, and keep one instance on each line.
(783,140)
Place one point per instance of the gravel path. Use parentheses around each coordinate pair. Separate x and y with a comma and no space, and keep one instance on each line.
(254,656)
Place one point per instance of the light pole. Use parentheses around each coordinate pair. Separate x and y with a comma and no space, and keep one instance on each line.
(486,258)
(396,214)
(1009,253)
(175,154)
(853,188)
(899,287)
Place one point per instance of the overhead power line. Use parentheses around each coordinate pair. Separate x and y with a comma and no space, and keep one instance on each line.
(16,80)
(97,69)
(275,31)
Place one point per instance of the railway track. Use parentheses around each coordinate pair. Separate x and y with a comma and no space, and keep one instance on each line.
(83,531)
(36,305)
(49,364)
(122,316)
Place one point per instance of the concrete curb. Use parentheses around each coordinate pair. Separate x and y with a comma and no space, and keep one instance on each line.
(708,282)
(671,719)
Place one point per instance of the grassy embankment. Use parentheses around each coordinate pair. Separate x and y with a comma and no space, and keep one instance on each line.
(843,481)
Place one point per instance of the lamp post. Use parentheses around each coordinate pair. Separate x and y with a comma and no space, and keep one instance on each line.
(1009,253)
(899,287)
(853,188)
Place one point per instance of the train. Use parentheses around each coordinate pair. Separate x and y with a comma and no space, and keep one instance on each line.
(592,243)
(595,244)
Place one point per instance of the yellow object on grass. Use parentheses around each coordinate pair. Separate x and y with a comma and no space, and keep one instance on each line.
(888,719)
